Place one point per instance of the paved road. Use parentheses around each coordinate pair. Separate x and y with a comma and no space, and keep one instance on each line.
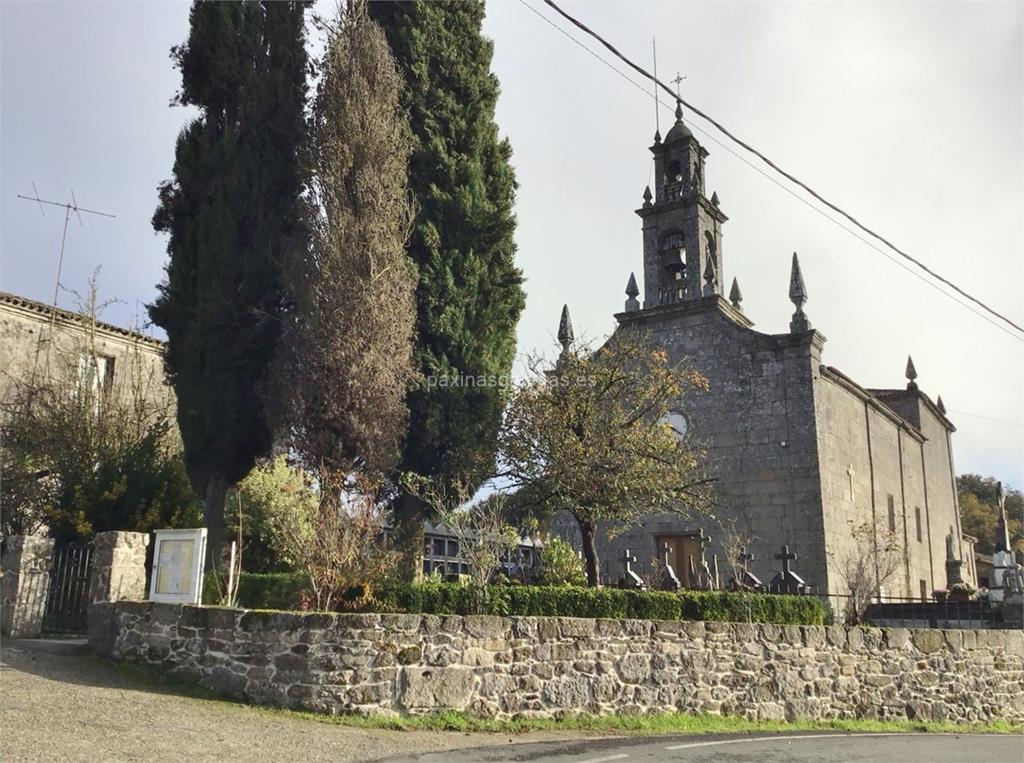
(803,748)
(69,706)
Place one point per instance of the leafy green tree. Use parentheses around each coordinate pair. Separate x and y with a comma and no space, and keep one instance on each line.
(231,212)
(593,438)
(469,294)
(979,511)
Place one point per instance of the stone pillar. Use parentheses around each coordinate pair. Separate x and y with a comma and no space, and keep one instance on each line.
(118,567)
(25,586)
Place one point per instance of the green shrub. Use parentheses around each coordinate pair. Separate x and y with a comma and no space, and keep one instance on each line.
(560,565)
(284,591)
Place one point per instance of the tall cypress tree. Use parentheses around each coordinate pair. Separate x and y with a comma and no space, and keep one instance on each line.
(231,210)
(469,294)
(346,349)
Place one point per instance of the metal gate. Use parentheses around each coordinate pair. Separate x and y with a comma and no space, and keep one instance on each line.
(67,601)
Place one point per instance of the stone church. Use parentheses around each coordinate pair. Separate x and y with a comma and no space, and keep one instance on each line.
(802,454)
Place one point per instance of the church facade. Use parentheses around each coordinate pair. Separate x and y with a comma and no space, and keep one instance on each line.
(803,456)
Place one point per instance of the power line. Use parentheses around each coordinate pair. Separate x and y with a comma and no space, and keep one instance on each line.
(792,193)
(986,418)
(773,180)
(746,146)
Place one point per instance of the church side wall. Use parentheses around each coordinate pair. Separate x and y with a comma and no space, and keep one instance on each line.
(847,485)
(943,502)
(917,554)
(864,448)
(758,421)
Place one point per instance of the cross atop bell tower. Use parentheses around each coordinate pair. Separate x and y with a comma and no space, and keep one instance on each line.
(682,228)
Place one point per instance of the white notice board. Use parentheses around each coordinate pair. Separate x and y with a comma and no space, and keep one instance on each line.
(178,563)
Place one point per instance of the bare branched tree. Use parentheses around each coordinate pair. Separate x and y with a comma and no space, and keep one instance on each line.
(481,528)
(866,566)
(736,540)
(340,546)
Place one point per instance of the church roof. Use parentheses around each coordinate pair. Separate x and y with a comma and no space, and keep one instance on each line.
(44,310)
(679,131)
(913,394)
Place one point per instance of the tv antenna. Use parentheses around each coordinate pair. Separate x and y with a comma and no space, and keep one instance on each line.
(657,102)
(68,208)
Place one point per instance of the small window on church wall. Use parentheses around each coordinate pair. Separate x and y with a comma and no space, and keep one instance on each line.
(924,590)
(917,522)
(892,514)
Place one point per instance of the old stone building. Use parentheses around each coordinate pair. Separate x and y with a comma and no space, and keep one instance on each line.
(802,453)
(36,339)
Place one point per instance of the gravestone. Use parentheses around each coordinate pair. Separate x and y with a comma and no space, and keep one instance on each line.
(629,578)
(747,580)
(669,580)
(787,581)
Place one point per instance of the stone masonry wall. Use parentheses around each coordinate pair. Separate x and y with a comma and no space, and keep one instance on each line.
(118,566)
(530,667)
(25,585)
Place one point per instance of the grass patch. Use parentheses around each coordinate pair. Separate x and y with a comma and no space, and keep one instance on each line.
(661,723)
(148,677)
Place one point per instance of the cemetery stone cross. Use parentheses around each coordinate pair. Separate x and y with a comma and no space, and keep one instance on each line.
(671,580)
(744,557)
(786,557)
(629,577)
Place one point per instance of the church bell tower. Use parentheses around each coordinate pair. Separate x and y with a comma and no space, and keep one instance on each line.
(682,228)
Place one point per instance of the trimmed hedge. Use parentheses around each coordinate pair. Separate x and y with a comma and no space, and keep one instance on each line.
(284,590)
(571,601)
(270,590)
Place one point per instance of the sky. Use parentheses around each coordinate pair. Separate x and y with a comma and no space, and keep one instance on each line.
(909,115)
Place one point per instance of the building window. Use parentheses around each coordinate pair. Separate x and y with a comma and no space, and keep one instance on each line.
(892,514)
(95,378)
(924,590)
(917,522)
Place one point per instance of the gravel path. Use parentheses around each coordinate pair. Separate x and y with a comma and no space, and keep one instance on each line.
(61,704)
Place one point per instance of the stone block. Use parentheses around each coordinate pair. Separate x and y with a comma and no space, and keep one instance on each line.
(928,641)
(435,688)
(485,626)
(475,657)
(634,668)
(409,655)
(567,692)
(576,627)
(226,682)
